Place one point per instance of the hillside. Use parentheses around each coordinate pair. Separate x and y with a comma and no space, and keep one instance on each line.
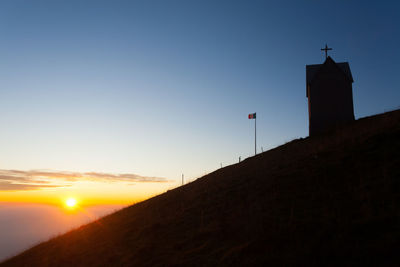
(324,200)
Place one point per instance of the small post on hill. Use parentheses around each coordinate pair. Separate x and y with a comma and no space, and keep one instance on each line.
(255,134)
(182,178)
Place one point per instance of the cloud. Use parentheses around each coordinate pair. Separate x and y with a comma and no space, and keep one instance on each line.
(13,180)
(128,177)
(9,186)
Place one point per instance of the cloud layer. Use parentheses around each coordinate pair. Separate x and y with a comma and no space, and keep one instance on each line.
(14,180)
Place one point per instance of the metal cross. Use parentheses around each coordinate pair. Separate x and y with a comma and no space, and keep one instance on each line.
(326,50)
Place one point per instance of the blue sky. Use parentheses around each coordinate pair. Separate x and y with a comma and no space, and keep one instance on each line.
(160,88)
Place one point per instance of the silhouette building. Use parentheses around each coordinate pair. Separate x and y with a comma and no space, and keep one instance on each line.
(330,95)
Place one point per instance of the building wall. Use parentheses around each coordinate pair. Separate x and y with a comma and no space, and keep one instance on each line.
(330,100)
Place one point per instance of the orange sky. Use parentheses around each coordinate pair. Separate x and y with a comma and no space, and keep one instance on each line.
(88,188)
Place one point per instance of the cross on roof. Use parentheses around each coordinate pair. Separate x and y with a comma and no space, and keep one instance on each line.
(326,50)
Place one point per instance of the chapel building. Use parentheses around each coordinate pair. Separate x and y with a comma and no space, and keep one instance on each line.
(330,95)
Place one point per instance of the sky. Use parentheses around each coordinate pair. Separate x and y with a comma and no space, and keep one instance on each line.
(163,88)
(110,102)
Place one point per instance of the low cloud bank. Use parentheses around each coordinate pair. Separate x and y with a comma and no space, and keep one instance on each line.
(14,180)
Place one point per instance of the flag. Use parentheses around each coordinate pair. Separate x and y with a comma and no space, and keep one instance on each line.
(252,116)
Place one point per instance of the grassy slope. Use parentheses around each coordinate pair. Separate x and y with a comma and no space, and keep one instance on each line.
(322,200)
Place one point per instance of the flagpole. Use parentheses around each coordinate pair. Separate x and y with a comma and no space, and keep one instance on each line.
(255,135)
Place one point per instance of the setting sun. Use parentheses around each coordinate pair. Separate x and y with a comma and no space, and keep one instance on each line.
(71,202)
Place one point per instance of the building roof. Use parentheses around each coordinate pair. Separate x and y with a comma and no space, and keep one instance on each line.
(311,70)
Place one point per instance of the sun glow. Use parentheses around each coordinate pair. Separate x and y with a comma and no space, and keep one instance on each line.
(71,203)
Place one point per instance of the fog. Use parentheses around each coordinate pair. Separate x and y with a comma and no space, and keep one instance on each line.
(24,225)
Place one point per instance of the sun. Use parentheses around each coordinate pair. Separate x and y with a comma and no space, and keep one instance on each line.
(71,202)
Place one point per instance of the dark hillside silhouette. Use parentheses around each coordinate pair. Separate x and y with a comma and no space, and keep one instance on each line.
(332,199)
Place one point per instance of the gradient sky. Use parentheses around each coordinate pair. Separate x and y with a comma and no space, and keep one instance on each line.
(161,88)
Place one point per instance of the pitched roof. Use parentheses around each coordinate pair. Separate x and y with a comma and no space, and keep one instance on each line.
(311,70)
